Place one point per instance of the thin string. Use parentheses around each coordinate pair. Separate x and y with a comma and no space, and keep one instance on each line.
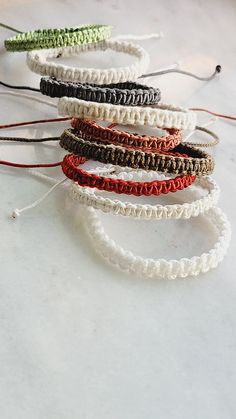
(16,213)
(186,73)
(28,97)
(233,118)
(10,28)
(33,89)
(140,37)
(207,124)
(29,140)
(37,121)
(28,166)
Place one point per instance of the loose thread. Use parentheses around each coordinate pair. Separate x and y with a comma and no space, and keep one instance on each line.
(140,37)
(233,118)
(29,97)
(37,121)
(207,124)
(3,25)
(29,140)
(16,213)
(10,86)
(28,166)
(186,73)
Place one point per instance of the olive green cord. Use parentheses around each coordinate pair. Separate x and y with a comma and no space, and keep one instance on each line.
(10,28)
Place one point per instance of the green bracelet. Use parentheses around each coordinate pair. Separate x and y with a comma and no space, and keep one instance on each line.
(56,38)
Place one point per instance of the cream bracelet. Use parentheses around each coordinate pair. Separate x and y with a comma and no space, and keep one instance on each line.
(93,198)
(162,116)
(38,62)
(160,268)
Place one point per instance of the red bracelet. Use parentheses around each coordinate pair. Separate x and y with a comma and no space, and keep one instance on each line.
(91,130)
(70,168)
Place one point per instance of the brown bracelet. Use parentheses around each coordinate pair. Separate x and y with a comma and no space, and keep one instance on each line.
(197,162)
(91,130)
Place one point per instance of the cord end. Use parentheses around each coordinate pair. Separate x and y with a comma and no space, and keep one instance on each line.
(218,68)
(15,214)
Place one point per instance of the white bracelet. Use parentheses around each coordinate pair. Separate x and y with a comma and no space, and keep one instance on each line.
(161,115)
(93,198)
(160,268)
(38,62)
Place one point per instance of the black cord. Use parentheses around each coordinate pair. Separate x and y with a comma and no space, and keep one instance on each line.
(33,89)
(29,140)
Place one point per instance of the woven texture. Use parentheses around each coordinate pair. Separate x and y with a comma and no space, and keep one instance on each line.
(182,160)
(160,268)
(161,115)
(91,130)
(55,38)
(127,93)
(38,62)
(70,168)
(186,210)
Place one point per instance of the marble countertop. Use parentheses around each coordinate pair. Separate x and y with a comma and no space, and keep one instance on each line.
(79,339)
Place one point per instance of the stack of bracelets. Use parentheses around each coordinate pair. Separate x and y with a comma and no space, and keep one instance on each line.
(133,164)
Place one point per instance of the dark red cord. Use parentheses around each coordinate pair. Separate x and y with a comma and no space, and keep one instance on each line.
(39,121)
(213,113)
(27,166)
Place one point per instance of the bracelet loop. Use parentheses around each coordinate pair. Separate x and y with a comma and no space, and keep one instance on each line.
(127,93)
(38,62)
(160,268)
(92,198)
(70,168)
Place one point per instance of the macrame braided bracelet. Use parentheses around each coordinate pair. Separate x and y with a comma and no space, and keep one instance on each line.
(197,162)
(160,268)
(127,93)
(38,62)
(55,38)
(91,130)
(70,168)
(162,116)
(146,211)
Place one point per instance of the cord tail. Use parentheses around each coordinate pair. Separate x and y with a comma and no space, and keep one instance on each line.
(16,213)
(186,73)
(10,28)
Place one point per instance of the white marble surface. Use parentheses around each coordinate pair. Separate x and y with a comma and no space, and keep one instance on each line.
(79,339)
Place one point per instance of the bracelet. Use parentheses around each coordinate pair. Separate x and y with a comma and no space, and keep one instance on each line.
(38,62)
(160,268)
(91,130)
(146,211)
(70,168)
(127,93)
(55,38)
(162,116)
(197,162)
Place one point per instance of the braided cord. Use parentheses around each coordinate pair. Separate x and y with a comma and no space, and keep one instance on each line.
(70,168)
(127,93)
(160,268)
(57,38)
(194,162)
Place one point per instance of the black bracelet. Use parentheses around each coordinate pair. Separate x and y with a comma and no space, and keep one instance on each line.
(127,93)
